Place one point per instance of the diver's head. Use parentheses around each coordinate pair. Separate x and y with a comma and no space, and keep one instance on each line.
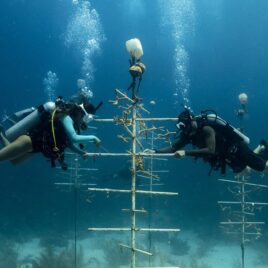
(186,122)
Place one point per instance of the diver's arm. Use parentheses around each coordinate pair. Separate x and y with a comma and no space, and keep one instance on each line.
(76,149)
(72,135)
(174,147)
(210,142)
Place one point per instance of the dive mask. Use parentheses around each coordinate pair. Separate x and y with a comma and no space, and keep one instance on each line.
(87,118)
(184,120)
(180,126)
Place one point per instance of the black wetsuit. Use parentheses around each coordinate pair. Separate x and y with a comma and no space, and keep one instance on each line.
(219,146)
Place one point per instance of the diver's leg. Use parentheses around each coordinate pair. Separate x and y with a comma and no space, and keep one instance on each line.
(255,162)
(249,158)
(4,141)
(265,171)
(21,159)
(17,149)
(259,149)
(18,160)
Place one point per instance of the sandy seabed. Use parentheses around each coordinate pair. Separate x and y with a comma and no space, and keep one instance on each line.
(99,251)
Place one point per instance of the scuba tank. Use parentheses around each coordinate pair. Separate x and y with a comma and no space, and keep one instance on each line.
(30,121)
(213,118)
(11,120)
(21,114)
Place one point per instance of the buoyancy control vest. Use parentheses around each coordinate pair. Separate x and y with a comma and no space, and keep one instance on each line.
(215,121)
(227,137)
(53,143)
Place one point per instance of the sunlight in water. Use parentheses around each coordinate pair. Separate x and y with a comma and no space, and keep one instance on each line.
(50,83)
(85,34)
(178,16)
(133,8)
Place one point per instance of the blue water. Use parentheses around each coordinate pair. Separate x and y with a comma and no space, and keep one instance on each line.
(197,53)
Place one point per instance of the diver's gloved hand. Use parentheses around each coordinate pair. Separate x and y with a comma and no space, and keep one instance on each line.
(86,155)
(97,141)
(149,151)
(180,154)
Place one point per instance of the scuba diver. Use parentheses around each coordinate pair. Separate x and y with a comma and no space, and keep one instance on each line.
(242,110)
(84,93)
(216,142)
(49,129)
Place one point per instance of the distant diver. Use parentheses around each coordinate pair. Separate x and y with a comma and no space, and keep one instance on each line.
(84,93)
(217,143)
(48,129)
(242,110)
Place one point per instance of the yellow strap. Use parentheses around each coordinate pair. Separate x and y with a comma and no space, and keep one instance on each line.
(53,130)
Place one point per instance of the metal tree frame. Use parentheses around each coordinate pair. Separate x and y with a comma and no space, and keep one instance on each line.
(129,120)
(240,217)
(74,183)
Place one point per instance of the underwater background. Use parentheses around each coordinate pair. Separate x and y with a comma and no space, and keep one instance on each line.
(199,53)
